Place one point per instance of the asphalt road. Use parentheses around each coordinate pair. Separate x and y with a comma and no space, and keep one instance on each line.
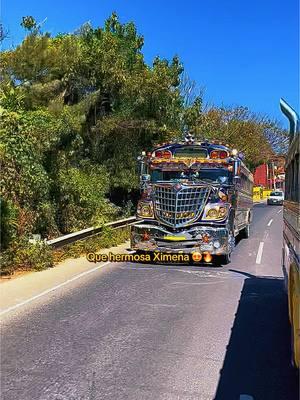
(136,331)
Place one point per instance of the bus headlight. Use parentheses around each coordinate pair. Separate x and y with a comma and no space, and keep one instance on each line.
(145,209)
(212,213)
(215,211)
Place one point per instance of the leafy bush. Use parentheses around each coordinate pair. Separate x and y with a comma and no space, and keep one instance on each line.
(9,223)
(25,256)
(23,177)
(106,239)
(82,197)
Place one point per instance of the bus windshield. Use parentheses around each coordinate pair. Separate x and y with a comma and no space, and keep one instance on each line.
(211,175)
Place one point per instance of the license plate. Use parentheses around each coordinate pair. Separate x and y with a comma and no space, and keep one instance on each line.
(174,238)
(206,247)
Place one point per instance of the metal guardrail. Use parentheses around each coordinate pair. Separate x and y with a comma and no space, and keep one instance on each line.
(89,232)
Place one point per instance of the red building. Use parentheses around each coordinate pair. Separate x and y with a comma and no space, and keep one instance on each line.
(271,175)
(261,176)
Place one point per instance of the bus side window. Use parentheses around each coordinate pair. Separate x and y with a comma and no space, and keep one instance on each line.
(291,181)
(246,183)
(288,185)
(293,191)
(296,179)
(242,182)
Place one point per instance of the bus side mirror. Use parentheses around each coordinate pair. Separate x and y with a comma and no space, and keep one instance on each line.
(236,167)
(145,179)
(236,170)
(141,161)
(236,180)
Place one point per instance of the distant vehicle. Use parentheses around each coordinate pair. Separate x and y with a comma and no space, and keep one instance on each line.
(196,197)
(291,230)
(276,197)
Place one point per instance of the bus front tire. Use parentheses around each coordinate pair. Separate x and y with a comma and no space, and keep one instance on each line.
(224,259)
(246,232)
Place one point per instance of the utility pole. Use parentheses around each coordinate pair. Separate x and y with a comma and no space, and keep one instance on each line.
(273,169)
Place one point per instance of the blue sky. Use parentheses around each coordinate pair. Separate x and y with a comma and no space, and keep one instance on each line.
(242,52)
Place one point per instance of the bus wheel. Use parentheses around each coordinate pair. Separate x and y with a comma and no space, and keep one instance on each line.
(224,259)
(246,232)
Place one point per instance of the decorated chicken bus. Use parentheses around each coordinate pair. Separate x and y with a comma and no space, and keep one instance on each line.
(195,197)
(291,229)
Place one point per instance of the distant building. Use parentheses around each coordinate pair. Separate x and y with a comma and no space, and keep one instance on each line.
(272,174)
(261,176)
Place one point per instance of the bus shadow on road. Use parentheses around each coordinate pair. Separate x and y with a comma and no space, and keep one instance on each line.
(257,360)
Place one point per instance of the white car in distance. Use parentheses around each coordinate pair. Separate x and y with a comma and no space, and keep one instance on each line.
(276,197)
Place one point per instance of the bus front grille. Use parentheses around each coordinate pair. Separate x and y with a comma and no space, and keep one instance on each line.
(179,205)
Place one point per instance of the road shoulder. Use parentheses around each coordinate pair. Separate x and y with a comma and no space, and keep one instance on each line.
(31,285)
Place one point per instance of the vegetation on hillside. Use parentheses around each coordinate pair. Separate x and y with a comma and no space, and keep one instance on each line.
(77,108)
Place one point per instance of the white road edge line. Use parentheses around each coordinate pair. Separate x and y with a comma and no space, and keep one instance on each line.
(278,212)
(246,397)
(260,252)
(270,222)
(53,288)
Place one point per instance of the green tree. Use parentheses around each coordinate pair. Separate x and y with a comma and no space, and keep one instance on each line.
(29,23)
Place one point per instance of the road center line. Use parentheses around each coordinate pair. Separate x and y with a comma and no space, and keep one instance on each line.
(53,288)
(278,212)
(259,253)
(270,222)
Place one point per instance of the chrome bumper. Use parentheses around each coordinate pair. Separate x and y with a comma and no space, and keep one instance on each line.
(202,238)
